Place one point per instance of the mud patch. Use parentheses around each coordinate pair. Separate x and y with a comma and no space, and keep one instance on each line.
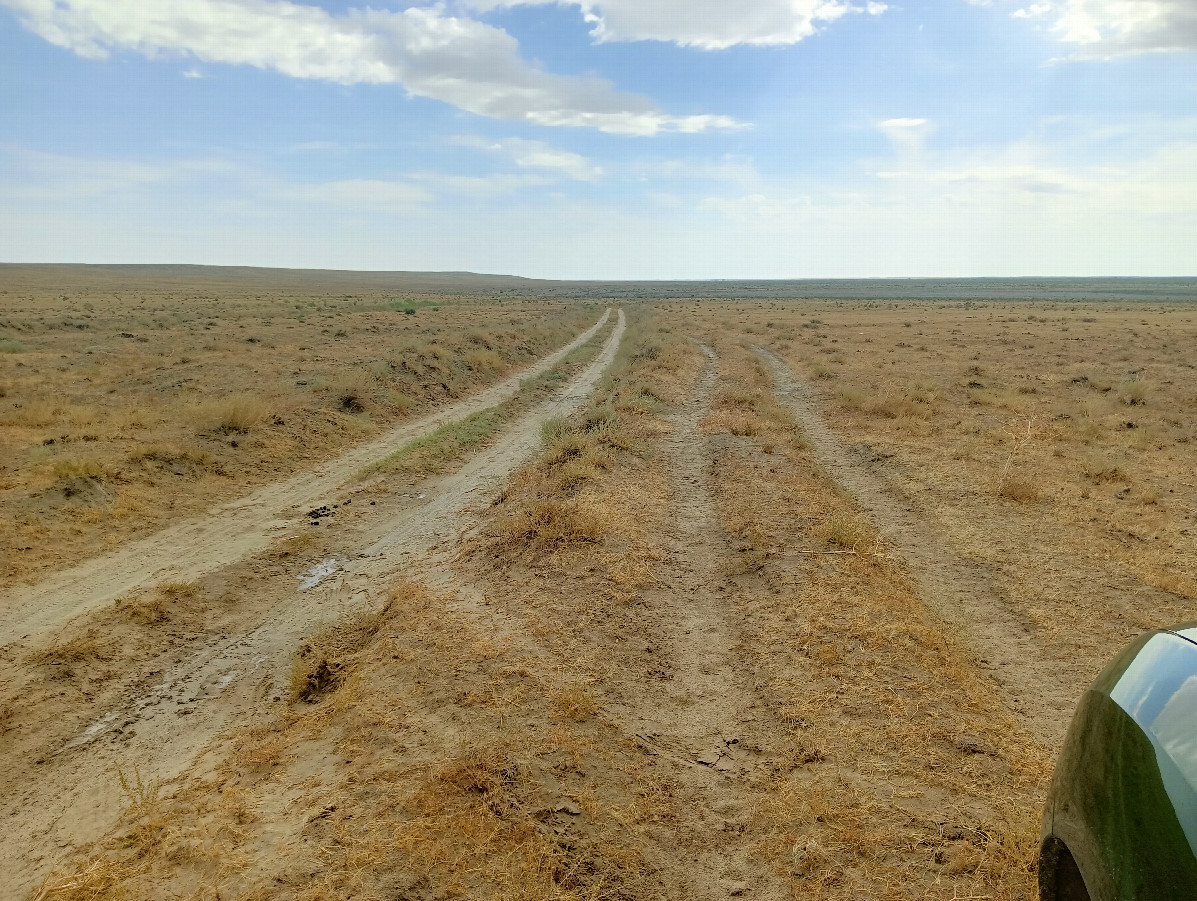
(319,573)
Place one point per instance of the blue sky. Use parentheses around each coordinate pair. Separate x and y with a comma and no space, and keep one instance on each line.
(604,138)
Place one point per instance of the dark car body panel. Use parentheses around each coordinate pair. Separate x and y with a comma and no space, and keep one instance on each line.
(1124,797)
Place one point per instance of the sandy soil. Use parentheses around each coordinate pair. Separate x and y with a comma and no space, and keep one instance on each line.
(705,723)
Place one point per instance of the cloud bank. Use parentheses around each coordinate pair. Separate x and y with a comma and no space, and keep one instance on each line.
(706,25)
(468,64)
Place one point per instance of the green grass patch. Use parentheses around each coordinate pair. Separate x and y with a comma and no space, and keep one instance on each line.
(409,305)
(438,450)
(433,452)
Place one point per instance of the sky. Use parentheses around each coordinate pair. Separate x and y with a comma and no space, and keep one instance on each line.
(613,139)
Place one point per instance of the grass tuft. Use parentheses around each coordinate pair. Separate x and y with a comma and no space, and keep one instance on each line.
(239,414)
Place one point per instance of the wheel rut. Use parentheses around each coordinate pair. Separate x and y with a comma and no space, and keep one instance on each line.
(705,725)
(239,529)
(72,796)
(1037,685)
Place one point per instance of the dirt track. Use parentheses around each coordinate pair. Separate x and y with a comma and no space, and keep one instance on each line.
(705,727)
(961,592)
(70,796)
(717,696)
(236,530)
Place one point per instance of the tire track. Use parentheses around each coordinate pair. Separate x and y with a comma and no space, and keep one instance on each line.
(1038,685)
(240,528)
(706,726)
(74,798)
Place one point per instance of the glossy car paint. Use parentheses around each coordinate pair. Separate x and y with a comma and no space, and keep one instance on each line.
(1124,797)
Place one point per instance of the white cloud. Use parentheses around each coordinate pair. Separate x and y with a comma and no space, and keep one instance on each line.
(538,155)
(709,25)
(907,135)
(1129,26)
(469,64)
(1034,11)
(1108,28)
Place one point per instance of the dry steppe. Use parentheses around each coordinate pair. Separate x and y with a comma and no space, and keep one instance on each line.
(531,597)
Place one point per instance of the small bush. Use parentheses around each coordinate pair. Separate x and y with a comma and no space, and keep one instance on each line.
(574,703)
(484,360)
(178,590)
(844,530)
(487,771)
(1134,393)
(170,455)
(76,476)
(553,429)
(550,520)
(351,400)
(1101,469)
(237,414)
(822,372)
(75,468)
(10,346)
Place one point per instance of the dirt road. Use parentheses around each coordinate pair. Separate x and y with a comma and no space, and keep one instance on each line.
(705,727)
(238,529)
(962,592)
(71,795)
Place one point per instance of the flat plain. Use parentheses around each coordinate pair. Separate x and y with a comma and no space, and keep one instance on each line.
(626,594)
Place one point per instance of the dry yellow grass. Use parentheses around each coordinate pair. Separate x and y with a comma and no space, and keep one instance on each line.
(486,804)
(1063,430)
(471,806)
(906,776)
(479,745)
(125,405)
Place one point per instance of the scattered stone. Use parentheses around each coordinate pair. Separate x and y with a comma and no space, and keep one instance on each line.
(567,806)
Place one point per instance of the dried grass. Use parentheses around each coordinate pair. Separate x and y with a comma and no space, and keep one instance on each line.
(239,414)
(874,694)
